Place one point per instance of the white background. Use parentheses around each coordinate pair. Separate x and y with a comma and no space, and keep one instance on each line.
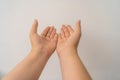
(99,46)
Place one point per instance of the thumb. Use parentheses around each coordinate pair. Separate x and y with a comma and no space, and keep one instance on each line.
(34,27)
(78,26)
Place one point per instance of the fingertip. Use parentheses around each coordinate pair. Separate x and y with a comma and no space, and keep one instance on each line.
(70,29)
(78,27)
(48,27)
(53,27)
(59,36)
(35,24)
(63,26)
(45,31)
(55,30)
(35,21)
(79,20)
(78,23)
(56,36)
(34,27)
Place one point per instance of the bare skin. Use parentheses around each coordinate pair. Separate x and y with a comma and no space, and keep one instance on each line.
(71,65)
(42,47)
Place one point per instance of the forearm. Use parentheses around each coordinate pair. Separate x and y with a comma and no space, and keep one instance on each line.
(72,66)
(28,69)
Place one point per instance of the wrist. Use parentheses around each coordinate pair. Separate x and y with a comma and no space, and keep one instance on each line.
(68,56)
(71,51)
(40,52)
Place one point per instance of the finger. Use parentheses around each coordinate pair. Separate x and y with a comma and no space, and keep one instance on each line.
(78,26)
(56,37)
(34,27)
(62,32)
(50,31)
(45,31)
(66,31)
(53,33)
(70,29)
(59,36)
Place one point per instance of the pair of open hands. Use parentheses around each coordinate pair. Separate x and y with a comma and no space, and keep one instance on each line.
(49,39)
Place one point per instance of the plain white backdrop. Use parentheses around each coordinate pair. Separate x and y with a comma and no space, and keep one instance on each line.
(99,46)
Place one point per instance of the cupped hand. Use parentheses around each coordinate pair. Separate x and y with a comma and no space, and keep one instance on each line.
(68,38)
(45,42)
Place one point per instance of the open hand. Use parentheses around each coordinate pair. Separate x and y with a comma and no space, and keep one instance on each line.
(44,43)
(68,38)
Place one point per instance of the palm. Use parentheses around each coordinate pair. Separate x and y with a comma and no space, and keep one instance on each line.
(47,40)
(68,37)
